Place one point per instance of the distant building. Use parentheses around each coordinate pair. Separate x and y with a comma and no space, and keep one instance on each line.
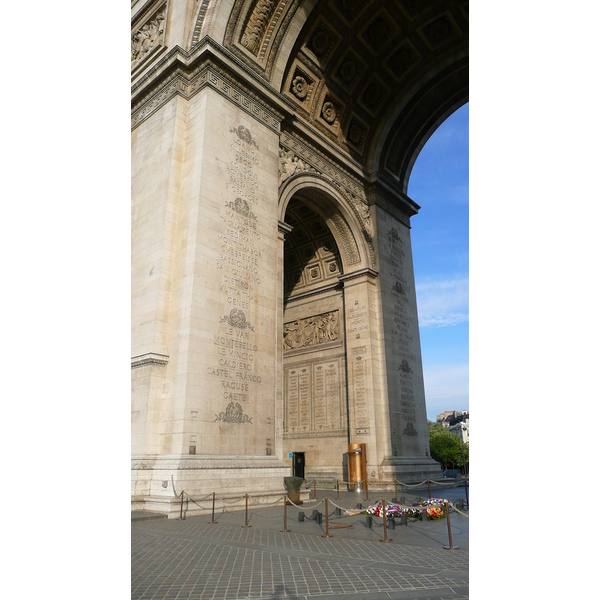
(457,422)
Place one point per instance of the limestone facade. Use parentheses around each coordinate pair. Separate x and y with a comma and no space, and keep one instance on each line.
(273,298)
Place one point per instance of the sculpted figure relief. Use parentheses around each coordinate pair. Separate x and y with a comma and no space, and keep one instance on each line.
(151,35)
(365,213)
(289,164)
(311,331)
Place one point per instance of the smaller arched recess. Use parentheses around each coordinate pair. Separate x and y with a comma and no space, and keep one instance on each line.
(327,201)
(324,244)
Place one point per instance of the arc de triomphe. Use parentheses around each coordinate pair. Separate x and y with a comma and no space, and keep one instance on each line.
(273,296)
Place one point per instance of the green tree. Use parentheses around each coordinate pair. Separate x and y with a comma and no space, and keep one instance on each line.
(447,448)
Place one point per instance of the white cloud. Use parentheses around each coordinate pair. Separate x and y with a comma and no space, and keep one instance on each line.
(443,302)
(446,388)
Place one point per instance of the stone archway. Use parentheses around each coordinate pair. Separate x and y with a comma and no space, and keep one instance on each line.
(315,403)
(245,112)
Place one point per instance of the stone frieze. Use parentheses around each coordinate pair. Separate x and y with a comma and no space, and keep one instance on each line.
(319,329)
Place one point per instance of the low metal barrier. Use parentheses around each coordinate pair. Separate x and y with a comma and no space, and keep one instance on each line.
(387,511)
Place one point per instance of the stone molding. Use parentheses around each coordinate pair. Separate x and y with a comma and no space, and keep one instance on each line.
(256,29)
(397,204)
(204,462)
(367,272)
(150,358)
(284,227)
(316,159)
(200,16)
(307,159)
(181,73)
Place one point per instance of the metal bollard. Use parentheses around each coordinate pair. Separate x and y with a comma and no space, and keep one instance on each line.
(404,519)
(301,517)
(385,537)
(367,488)
(315,488)
(337,485)
(395,490)
(428,490)
(246,525)
(369,522)
(326,521)
(450,546)
(466,493)
(285,529)
(338,512)
(213,522)
(181,509)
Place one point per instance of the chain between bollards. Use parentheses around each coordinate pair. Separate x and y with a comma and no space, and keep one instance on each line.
(450,546)
(213,522)
(285,501)
(245,526)
(385,537)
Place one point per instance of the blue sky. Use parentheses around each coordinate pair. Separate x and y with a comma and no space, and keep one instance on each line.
(439,183)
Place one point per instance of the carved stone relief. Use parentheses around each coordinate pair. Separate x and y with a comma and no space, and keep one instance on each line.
(257,25)
(290,164)
(148,37)
(312,331)
(234,413)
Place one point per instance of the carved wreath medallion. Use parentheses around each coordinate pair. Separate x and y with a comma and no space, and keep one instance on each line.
(234,413)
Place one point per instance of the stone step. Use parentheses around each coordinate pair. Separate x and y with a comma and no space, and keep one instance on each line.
(146,515)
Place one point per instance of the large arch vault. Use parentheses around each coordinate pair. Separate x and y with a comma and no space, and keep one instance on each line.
(273,300)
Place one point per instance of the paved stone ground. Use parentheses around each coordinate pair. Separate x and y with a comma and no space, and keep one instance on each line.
(196,560)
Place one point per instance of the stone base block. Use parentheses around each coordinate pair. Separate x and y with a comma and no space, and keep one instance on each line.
(410,470)
(157,483)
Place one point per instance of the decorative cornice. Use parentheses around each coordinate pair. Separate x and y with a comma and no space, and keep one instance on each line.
(283,227)
(366,272)
(150,358)
(393,201)
(181,73)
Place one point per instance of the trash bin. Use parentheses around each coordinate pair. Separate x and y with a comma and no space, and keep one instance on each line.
(293,485)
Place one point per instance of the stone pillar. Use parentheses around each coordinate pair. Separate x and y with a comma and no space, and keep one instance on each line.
(407,458)
(282,229)
(205,212)
(367,411)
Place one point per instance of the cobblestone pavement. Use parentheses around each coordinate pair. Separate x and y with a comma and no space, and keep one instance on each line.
(193,559)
